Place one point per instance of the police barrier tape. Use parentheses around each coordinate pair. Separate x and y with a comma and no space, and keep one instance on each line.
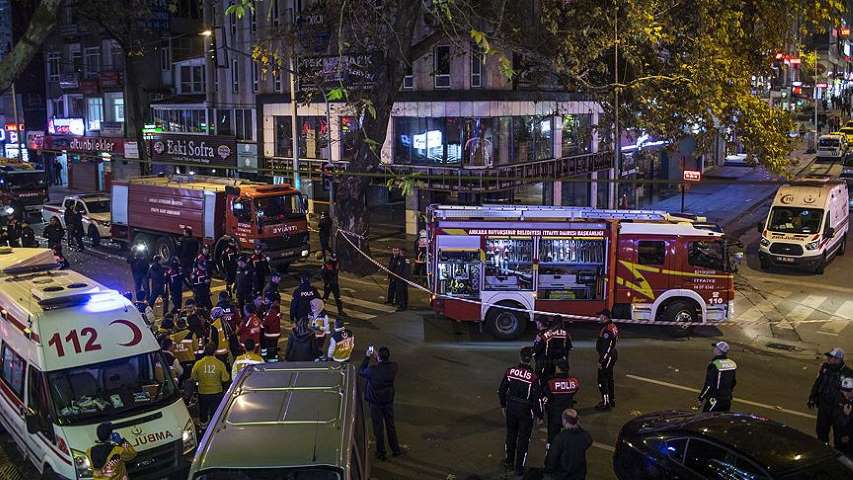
(724,323)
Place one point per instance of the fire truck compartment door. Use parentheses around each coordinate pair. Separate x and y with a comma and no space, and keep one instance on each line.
(209,211)
(118,208)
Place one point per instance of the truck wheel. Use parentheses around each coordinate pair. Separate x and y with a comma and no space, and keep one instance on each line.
(821,265)
(843,247)
(683,313)
(165,247)
(94,236)
(505,324)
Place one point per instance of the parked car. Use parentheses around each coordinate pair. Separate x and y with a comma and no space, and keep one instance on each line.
(677,445)
(96,214)
(831,147)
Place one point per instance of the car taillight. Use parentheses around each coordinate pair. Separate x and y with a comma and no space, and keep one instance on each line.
(61,445)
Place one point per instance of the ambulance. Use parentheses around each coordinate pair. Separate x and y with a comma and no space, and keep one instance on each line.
(74,354)
(806,226)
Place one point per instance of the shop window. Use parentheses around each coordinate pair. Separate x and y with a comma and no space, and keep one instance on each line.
(441,66)
(13,370)
(576,191)
(459,272)
(350,127)
(706,255)
(283,143)
(481,142)
(509,264)
(192,79)
(571,269)
(223,123)
(651,252)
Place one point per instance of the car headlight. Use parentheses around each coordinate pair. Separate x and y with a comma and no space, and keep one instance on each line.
(82,465)
(304,253)
(812,245)
(764,242)
(188,437)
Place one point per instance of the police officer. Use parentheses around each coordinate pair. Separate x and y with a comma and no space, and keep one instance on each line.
(720,380)
(260,267)
(157,283)
(300,305)
(243,282)
(551,344)
(139,270)
(842,425)
(522,405)
(826,390)
(330,282)
(325,233)
(272,286)
(559,395)
(203,257)
(176,280)
(605,345)
(53,233)
(230,319)
(229,265)
(77,222)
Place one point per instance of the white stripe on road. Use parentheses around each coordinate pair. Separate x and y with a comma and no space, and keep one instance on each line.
(840,320)
(739,400)
(372,305)
(604,446)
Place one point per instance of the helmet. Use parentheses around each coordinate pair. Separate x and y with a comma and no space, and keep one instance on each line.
(847,383)
(216,313)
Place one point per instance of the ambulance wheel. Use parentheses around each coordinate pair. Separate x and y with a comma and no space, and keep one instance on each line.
(821,265)
(843,247)
(684,314)
(165,247)
(506,324)
(94,236)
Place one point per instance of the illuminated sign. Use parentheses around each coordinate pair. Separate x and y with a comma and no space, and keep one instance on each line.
(66,126)
(692,175)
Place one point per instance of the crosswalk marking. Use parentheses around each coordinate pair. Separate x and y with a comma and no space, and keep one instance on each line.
(840,320)
(813,301)
(364,303)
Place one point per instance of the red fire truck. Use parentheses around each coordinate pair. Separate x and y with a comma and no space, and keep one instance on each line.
(642,265)
(154,211)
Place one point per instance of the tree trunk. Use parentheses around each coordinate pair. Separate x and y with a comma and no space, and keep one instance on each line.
(134,109)
(43,21)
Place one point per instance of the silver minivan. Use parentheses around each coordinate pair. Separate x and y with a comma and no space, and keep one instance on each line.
(287,420)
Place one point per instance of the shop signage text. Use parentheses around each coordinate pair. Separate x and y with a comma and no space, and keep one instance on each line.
(85,144)
(200,149)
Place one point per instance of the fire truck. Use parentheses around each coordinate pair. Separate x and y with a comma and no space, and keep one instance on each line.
(23,182)
(499,264)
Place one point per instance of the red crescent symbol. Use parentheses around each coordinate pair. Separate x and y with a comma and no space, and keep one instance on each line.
(137,333)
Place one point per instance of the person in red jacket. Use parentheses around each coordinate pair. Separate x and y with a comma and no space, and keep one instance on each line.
(272,328)
(250,326)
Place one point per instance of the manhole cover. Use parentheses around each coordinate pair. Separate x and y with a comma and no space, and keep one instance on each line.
(782,346)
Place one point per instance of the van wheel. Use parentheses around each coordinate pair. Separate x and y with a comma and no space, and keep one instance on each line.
(505,324)
(818,269)
(94,236)
(763,264)
(681,312)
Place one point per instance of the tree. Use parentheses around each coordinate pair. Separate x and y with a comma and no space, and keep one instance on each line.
(15,62)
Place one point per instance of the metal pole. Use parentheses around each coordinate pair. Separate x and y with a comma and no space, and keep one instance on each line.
(18,130)
(617,147)
(815,99)
(297,182)
(329,147)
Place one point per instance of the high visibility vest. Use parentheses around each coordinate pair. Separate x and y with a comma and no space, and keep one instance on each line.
(185,346)
(222,342)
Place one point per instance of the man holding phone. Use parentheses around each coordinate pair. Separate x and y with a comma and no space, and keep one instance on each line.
(379,394)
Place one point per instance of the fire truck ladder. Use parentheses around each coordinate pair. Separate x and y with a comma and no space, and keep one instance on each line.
(537,211)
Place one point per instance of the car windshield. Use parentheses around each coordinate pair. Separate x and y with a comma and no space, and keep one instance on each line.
(125,386)
(319,473)
(279,208)
(795,220)
(839,468)
(25,180)
(98,206)
(828,143)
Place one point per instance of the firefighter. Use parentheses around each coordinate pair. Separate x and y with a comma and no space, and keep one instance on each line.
(139,270)
(187,249)
(272,286)
(28,236)
(230,318)
(559,395)
(229,265)
(720,380)
(54,233)
(551,344)
(250,325)
(203,257)
(272,328)
(341,343)
(607,355)
(156,283)
(300,304)
(201,285)
(260,267)
(825,390)
(522,405)
(176,281)
(330,282)
(243,282)
(186,344)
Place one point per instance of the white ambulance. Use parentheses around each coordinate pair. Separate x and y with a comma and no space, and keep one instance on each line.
(74,354)
(807,225)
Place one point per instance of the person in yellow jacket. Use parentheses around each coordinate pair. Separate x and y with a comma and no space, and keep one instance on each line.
(250,357)
(186,343)
(341,344)
(218,335)
(210,374)
(110,454)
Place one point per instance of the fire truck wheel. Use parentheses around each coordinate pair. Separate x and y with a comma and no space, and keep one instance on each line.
(506,324)
(165,247)
(94,236)
(682,312)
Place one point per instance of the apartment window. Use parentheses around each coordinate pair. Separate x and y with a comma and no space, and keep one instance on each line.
(223,122)
(232,23)
(57,107)
(93,61)
(13,370)
(277,81)
(118,109)
(408,79)
(116,56)
(477,61)
(243,128)
(54,63)
(254,77)
(192,79)
(95,112)
(165,59)
(441,66)
(76,58)
(235,76)
(76,106)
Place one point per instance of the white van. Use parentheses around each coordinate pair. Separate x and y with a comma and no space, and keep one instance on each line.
(74,354)
(807,225)
(832,147)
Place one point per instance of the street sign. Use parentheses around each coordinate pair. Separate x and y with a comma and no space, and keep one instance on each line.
(820,85)
(692,175)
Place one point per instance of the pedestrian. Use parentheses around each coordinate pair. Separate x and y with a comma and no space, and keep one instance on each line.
(186,343)
(550,345)
(77,222)
(421,254)
(175,281)
(272,286)
(325,228)
(201,286)
(251,357)
(57,172)
(319,322)
(68,219)
(194,319)
(28,236)
(522,405)
(210,374)
(250,325)
(720,380)
(605,345)
(188,248)
(229,265)
(13,233)
(260,267)
(559,395)
(842,425)
(156,283)
(300,343)
(341,343)
(243,282)
(379,394)
(110,454)
(272,328)
(54,234)
(330,271)
(404,273)
(230,320)
(139,271)
(566,459)
(392,280)
(167,345)
(826,390)
(300,304)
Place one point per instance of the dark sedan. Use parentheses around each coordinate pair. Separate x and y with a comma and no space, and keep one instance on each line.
(727,446)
